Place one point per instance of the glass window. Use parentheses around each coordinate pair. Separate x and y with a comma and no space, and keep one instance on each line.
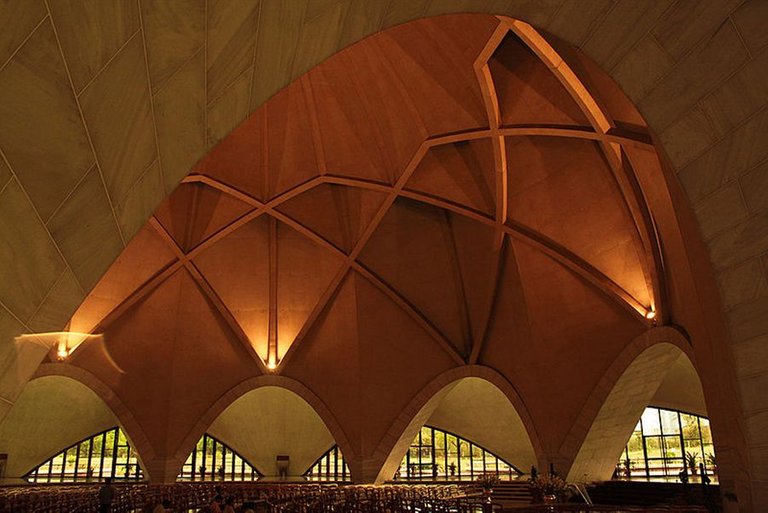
(665,442)
(105,454)
(670,422)
(651,422)
(213,460)
(330,467)
(445,456)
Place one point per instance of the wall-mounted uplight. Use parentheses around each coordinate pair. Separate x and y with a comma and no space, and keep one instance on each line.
(271,365)
(650,315)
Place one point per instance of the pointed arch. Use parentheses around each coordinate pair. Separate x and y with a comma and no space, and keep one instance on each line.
(208,420)
(611,412)
(128,423)
(393,445)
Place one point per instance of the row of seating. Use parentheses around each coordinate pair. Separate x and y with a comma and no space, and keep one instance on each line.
(284,498)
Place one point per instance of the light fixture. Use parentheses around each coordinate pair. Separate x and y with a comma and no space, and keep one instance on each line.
(650,315)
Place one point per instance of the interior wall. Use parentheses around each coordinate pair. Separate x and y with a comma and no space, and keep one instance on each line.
(697,74)
(618,414)
(51,413)
(681,389)
(269,421)
(478,411)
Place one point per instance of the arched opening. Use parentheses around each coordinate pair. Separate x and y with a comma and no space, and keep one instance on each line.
(264,418)
(638,385)
(472,408)
(269,422)
(51,414)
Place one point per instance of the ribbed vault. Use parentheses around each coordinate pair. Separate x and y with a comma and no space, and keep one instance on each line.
(445,193)
(472,149)
(106,105)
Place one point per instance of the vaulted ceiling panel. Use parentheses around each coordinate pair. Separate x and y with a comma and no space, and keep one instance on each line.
(290,157)
(394,119)
(576,331)
(564,189)
(337,213)
(389,340)
(195,211)
(146,255)
(350,141)
(437,68)
(331,344)
(240,159)
(477,254)
(203,346)
(304,272)
(413,251)
(237,267)
(160,349)
(528,91)
(461,172)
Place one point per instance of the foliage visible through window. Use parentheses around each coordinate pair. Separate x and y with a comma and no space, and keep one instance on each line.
(329,467)
(212,460)
(106,454)
(437,455)
(664,441)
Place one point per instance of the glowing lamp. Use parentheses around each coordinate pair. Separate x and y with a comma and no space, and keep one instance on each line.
(650,315)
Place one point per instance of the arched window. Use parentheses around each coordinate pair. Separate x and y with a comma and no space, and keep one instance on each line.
(666,441)
(439,455)
(329,467)
(212,460)
(103,455)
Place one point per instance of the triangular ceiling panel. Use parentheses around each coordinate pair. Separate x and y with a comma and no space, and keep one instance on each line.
(463,173)
(528,91)
(291,158)
(437,68)
(203,346)
(332,344)
(477,253)
(237,267)
(304,272)
(194,212)
(361,346)
(413,251)
(394,120)
(337,213)
(162,346)
(146,255)
(564,189)
(387,334)
(140,343)
(576,330)
(350,142)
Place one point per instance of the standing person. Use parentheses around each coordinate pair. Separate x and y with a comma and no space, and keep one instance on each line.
(106,496)
(229,506)
(216,504)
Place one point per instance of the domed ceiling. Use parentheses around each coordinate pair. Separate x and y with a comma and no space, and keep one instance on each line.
(453,174)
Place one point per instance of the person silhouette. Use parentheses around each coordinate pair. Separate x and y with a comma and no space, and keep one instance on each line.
(107,494)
